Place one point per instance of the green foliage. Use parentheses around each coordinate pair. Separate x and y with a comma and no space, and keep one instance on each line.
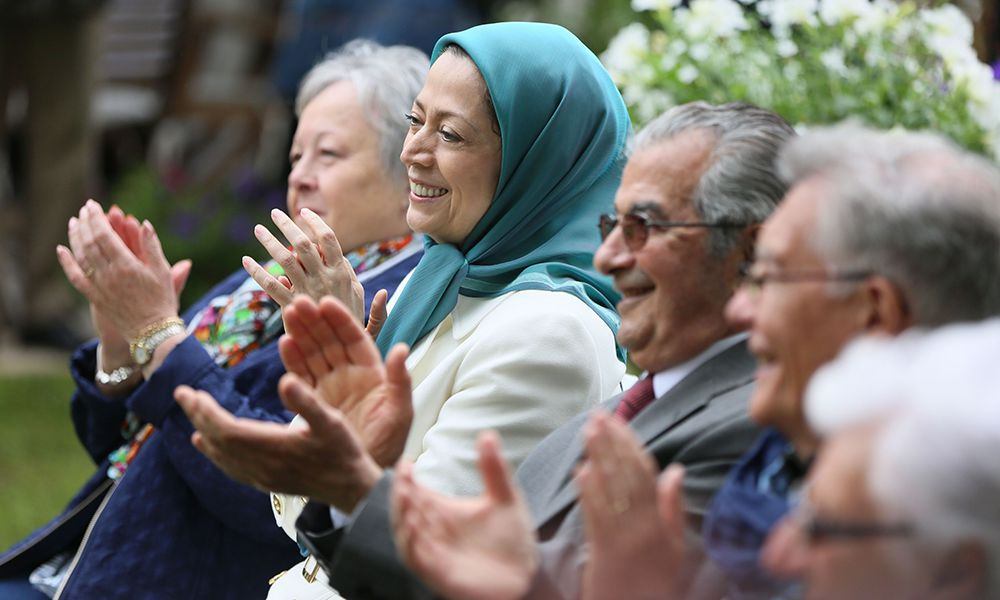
(41,462)
(814,62)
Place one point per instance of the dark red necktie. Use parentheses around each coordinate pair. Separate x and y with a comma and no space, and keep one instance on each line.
(635,399)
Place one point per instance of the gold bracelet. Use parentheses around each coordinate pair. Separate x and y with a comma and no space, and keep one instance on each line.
(151,337)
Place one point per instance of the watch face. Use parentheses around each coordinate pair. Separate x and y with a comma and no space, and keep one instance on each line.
(141,355)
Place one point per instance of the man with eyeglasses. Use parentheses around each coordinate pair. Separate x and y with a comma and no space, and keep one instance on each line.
(698,183)
(903,500)
(879,232)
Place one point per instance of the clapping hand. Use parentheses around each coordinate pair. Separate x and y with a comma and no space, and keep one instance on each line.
(357,413)
(634,523)
(118,265)
(326,346)
(475,548)
(321,458)
(315,266)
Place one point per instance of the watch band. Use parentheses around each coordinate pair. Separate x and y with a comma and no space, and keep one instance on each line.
(150,338)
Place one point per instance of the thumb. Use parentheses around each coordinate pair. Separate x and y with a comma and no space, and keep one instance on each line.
(497,479)
(179,273)
(670,498)
(377,313)
(398,378)
(301,399)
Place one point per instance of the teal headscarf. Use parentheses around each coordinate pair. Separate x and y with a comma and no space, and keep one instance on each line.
(563,126)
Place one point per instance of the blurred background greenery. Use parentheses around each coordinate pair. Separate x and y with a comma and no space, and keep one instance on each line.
(41,462)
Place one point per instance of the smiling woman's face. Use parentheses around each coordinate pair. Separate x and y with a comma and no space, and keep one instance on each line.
(452,152)
(337,171)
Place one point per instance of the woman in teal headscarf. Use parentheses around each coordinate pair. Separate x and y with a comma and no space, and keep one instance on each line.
(515,148)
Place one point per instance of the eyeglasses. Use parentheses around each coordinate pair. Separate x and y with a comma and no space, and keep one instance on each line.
(818,529)
(636,226)
(755,278)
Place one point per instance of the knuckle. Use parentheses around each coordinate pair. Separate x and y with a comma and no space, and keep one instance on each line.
(302,246)
(287,261)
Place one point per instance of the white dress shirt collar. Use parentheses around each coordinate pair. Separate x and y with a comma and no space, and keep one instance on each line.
(666,379)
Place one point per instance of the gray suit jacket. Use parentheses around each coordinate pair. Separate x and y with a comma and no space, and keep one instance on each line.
(701,422)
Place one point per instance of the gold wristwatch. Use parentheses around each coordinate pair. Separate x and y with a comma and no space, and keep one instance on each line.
(151,337)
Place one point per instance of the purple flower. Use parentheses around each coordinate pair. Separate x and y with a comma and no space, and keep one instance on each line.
(246,184)
(996,70)
(184,224)
(239,229)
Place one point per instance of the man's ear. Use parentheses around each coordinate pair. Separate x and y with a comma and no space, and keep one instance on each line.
(962,574)
(749,242)
(887,310)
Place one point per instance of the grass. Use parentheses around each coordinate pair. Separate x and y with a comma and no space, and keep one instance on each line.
(41,462)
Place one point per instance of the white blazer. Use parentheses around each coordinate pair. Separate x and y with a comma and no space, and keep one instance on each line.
(521,364)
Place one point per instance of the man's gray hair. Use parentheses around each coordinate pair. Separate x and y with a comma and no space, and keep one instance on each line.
(935,465)
(386,78)
(912,207)
(741,184)
(934,456)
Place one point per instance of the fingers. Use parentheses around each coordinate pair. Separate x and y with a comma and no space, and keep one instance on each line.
(497,478)
(179,273)
(281,254)
(99,234)
(377,314)
(670,498)
(203,411)
(602,457)
(278,292)
(133,238)
(74,273)
(302,399)
(305,249)
(398,378)
(294,360)
(323,236)
(318,343)
(355,341)
(152,249)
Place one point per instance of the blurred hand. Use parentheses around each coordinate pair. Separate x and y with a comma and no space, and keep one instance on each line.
(634,524)
(327,347)
(123,273)
(475,548)
(323,458)
(114,347)
(315,266)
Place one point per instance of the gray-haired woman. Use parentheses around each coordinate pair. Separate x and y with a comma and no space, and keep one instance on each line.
(158,518)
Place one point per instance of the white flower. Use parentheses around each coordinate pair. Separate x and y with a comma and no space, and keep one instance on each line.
(833,59)
(643,5)
(687,74)
(650,104)
(705,19)
(948,21)
(700,51)
(875,18)
(625,51)
(833,12)
(786,48)
(784,14)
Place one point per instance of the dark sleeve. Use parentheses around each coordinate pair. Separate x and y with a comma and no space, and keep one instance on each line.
(361,558)
(96,418)
(248,390)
